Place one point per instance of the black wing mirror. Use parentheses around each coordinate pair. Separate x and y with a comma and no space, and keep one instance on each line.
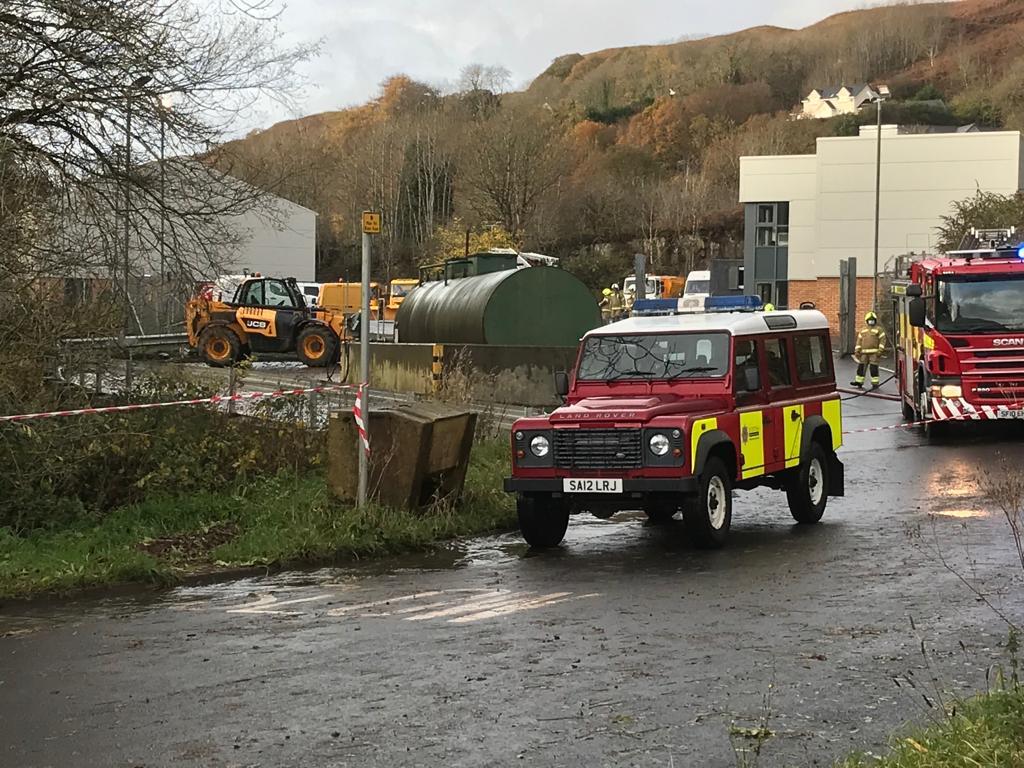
(915,312)
(561,383)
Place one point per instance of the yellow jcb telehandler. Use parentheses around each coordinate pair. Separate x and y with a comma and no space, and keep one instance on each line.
(266,314)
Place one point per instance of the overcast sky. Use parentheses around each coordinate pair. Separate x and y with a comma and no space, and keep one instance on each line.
(365,41)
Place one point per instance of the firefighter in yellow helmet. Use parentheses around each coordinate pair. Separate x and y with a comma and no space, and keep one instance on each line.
(630,300)
(616,302)
(870,347)
(606,306)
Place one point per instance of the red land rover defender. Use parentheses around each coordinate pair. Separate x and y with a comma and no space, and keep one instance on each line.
(672,412)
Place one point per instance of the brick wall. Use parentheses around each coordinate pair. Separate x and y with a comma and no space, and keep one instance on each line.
(824,292)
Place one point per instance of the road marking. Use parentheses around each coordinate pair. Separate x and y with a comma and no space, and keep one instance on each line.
(269,604)
(454,606)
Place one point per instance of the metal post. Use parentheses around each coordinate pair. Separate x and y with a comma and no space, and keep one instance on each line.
(364,368)
(163,209)
(878,199)
(127,213)
(640,271)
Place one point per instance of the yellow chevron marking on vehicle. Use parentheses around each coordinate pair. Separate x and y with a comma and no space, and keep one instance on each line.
(793,433)
(699,428)
(752,443)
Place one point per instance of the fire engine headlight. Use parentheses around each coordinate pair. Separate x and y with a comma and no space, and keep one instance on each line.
(659,444)
(540,446)
(951,390)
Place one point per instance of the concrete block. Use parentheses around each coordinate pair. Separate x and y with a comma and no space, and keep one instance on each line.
(419,454)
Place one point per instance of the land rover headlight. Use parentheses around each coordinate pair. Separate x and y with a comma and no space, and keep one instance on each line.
(540,446)
(659,444)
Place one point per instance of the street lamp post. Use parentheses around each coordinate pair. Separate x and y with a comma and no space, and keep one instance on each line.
(166,101)
(883,93)
(139,82)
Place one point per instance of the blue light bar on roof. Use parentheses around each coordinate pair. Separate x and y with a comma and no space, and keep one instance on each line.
(648,307)
(732,303)
(656,307)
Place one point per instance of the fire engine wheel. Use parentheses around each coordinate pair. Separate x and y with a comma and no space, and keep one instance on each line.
(317,346)
(709,515)
(909,414)
(219,346)
(929,425)
(807,490)
(542,521)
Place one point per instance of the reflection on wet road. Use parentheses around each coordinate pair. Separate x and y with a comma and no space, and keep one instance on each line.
(623,647)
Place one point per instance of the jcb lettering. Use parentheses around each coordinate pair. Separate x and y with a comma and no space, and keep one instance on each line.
(257,324)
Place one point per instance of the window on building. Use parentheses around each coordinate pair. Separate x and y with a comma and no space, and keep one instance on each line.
(811,361)
(772,228)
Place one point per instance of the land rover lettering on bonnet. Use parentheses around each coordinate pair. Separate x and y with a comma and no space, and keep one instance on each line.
(671,413)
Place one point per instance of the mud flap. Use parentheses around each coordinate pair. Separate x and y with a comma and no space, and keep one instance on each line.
(836,476)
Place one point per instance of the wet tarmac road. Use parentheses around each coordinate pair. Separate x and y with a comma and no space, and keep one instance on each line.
(625,647)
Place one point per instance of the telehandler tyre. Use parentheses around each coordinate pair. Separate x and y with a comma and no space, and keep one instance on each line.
(219,346)
(317,346)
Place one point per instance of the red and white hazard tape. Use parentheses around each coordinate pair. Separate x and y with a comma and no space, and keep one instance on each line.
(947,411)
(357,411)
(214,400)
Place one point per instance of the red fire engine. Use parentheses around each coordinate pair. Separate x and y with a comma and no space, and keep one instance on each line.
(960,332)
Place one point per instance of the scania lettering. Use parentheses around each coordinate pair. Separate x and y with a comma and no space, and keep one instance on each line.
(669,412)
(959,332)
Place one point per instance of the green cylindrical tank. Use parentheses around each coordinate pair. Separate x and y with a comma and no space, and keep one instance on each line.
(532,306)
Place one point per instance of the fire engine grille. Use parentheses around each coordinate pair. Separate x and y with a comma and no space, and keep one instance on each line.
(598,449)
(998,390)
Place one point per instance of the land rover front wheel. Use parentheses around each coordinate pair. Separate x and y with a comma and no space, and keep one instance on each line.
(542,521)
(807,490)
(709,515)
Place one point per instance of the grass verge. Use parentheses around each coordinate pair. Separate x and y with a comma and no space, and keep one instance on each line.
(986,731)
(287,519)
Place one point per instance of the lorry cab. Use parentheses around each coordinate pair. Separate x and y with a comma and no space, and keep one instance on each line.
(696,291)
(671,412)
(656,286)
(959,332)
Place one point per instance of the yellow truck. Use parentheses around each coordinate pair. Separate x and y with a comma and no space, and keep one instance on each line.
(398,290)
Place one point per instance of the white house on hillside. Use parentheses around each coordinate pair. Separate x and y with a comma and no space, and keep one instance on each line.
(822,103)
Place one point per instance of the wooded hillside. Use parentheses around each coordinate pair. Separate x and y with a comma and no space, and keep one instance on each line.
(628,149)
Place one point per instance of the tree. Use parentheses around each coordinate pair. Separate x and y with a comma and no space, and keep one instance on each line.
(71,73)
(509,164)
(984,210)
(482,77)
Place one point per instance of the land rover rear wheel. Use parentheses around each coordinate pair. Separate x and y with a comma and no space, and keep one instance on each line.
(709,515)
(808,487)
(542,520)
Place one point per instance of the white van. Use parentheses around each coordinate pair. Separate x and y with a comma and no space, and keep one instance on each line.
(698,288)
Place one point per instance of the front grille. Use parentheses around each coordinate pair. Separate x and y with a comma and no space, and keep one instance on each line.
(998,390)
(598,449)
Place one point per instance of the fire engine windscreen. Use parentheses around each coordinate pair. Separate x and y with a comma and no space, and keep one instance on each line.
(654,356)
(980,305)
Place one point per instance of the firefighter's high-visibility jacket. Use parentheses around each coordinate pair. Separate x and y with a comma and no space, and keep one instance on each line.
(870,341)
(615,303)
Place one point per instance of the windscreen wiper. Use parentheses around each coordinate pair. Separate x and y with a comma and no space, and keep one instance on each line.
(695,369)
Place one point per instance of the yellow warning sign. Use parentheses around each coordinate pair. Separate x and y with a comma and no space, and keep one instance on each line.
(371,223)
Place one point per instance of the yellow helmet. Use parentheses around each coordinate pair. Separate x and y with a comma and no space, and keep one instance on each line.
(769,307)
(870,316)
(607,291)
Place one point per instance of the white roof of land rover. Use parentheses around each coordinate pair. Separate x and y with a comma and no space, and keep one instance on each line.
(736,323)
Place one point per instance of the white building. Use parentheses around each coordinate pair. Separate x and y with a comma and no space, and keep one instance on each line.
(822,103)
(804,213)
(280,241)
